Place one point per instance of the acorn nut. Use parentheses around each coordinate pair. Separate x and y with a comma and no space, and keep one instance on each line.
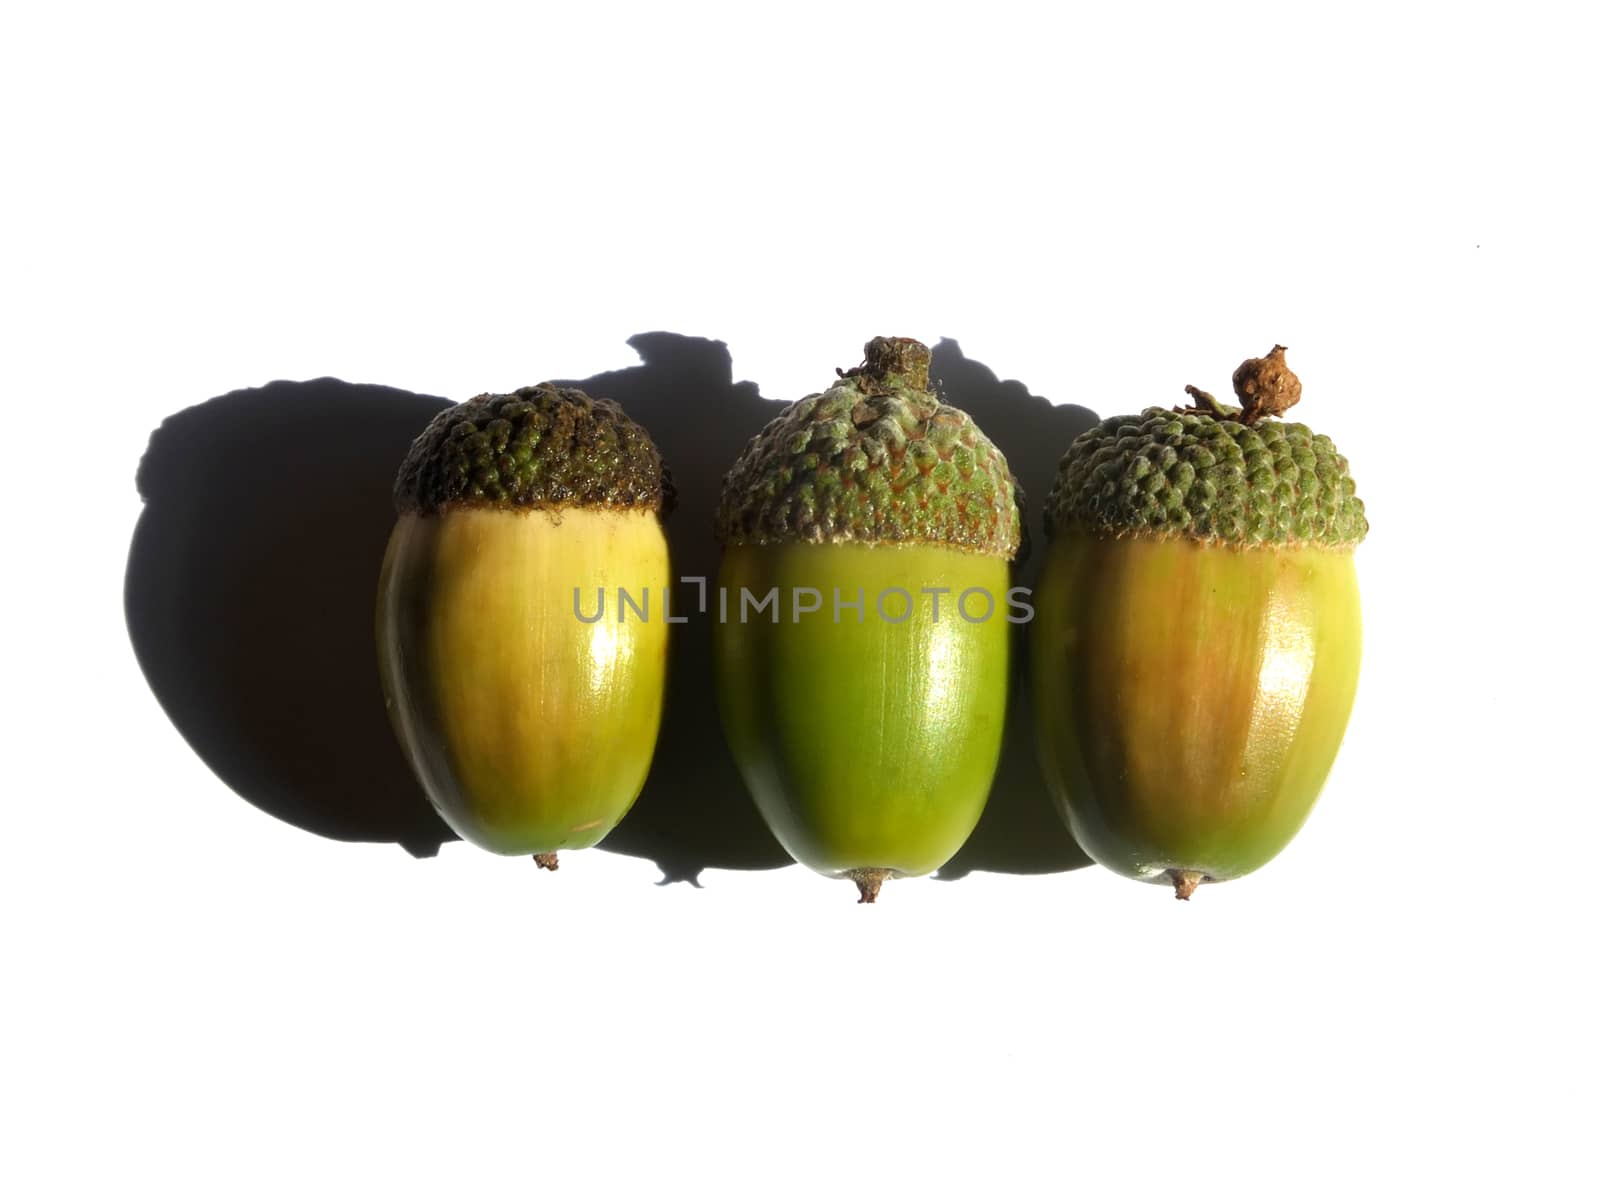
(530,724)
(862,654)
(1198,631)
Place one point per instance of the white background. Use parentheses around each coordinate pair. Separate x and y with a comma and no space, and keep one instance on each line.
(1104,204)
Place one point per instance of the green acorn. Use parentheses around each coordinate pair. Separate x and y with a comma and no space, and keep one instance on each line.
(530,729)
(865,708)
(1198,631)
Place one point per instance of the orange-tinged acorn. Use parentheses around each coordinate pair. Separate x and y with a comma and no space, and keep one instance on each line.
(1198,631)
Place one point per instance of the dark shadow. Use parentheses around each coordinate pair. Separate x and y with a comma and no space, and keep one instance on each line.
(250,596)
(1020,832)
(252,580)
(694,811)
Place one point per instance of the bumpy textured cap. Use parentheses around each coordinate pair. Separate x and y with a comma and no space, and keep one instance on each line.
(1187,474)
(539,447)
(874,459)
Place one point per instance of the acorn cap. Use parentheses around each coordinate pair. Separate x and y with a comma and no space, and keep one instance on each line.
(875,459)
(1212,473)
(542,447)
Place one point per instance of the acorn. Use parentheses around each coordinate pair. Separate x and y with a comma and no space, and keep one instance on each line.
(1198,631)
(522,662)
(862,638)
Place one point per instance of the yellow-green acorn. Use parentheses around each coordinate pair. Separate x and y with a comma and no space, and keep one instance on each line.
(864,702)
(1198,631)
(531,727)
